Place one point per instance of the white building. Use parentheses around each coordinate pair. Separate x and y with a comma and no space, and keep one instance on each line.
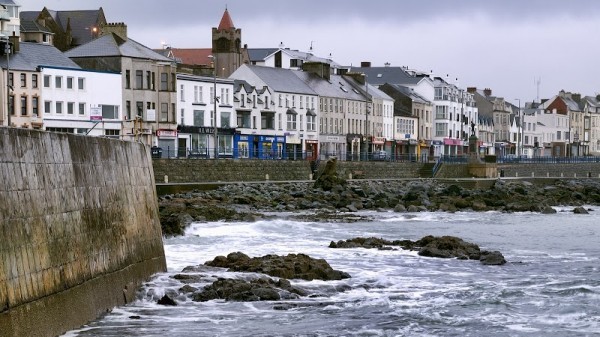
(196,117)
(81,101)
(278,111)
(454,111)
(9,18)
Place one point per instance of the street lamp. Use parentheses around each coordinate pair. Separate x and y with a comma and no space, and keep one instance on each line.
(7,51)
(215,99)
(520,129)
(366,119)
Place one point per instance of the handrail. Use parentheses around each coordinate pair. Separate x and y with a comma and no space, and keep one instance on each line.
(436,167)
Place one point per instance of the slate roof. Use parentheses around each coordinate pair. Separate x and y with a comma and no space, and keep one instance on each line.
(33,26)
(81,21)
(393,75)
(112,45)
(282,80)
(29,15)
(571,104)
(331,88)
(408,92)
(259,54)
(33,55)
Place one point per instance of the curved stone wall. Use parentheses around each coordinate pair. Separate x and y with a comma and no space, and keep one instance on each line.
(79,228)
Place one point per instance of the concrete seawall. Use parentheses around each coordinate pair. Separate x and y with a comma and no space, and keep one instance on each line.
(79,229)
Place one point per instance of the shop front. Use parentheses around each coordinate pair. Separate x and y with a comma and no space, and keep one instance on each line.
(312,149)
(167,141)
(453,147)
(293,147)
(353,145)
(199,142)
(259,147)
(332,146)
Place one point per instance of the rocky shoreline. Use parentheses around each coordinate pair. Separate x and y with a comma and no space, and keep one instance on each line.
(340,201)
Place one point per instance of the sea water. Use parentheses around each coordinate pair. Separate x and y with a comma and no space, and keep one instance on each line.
(549,287)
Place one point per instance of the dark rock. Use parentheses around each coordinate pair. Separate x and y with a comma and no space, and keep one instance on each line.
(262,289)
(494,258)
(580,210)
(291,266)
(328,178)
(547,210)
(447,247)
(166,300)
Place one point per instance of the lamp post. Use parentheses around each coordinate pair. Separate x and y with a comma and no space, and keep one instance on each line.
(7,51)
(366,119)
(520,129)
(215,99)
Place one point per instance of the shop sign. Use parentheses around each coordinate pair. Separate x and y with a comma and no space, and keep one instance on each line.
(96,114)
(166,133)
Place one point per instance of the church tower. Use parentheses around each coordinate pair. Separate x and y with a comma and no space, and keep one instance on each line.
(227,46)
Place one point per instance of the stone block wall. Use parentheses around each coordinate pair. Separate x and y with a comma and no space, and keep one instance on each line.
(79,229)
(227,170)
(552,170)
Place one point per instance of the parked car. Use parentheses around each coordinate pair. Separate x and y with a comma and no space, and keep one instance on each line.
(380,156)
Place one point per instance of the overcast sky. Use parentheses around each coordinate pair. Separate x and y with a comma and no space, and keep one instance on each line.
(505,45)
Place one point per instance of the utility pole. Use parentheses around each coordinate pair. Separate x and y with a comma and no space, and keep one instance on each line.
(366,119)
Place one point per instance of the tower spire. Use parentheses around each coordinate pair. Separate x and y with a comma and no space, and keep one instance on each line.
(226,22)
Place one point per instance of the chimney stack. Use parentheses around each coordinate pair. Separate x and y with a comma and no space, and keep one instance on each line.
(118,28)
(487,92)
(14,41)
(471,90)
(365,64)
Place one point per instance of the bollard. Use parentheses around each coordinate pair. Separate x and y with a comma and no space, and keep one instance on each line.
(166,179)
(349,175)
(574,175)
(310,177)
(516,174)
(266,177)
(533,174)
(562,175)
(547,174)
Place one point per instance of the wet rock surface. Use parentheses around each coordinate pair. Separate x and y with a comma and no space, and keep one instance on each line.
(430,246)
(339,201)
(291,266)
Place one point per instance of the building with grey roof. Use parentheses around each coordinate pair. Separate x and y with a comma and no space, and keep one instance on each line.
(71,28)
(281,113)
(149,84)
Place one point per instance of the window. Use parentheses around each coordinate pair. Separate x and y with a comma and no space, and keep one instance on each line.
(81,83)
(227,96)
(164,112)
(70,108)
(47,80)
(242,100)
(59,106)
(153,81)
(311,123)
(81,109)
(58,82)
(128,79)
(47,106)
(110,111)
(212,95)
(291,121)
(11,104)
(139,109)
(34,106)
(139,79)
(267,121)
(23,105)
(112,133)
(69,82)
(181,117)
(441,129)
(243,120)
(181,93)
(198,94)
(148,79)
(63,130)
(198,117)
(225,119)
(34,81)
(164,81)
(225,145)
(23,80)
(301,102)
(128,109)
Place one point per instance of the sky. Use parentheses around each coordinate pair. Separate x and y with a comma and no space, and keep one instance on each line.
(521,49)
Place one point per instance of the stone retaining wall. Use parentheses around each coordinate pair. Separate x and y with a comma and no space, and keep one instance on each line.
(79,229)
